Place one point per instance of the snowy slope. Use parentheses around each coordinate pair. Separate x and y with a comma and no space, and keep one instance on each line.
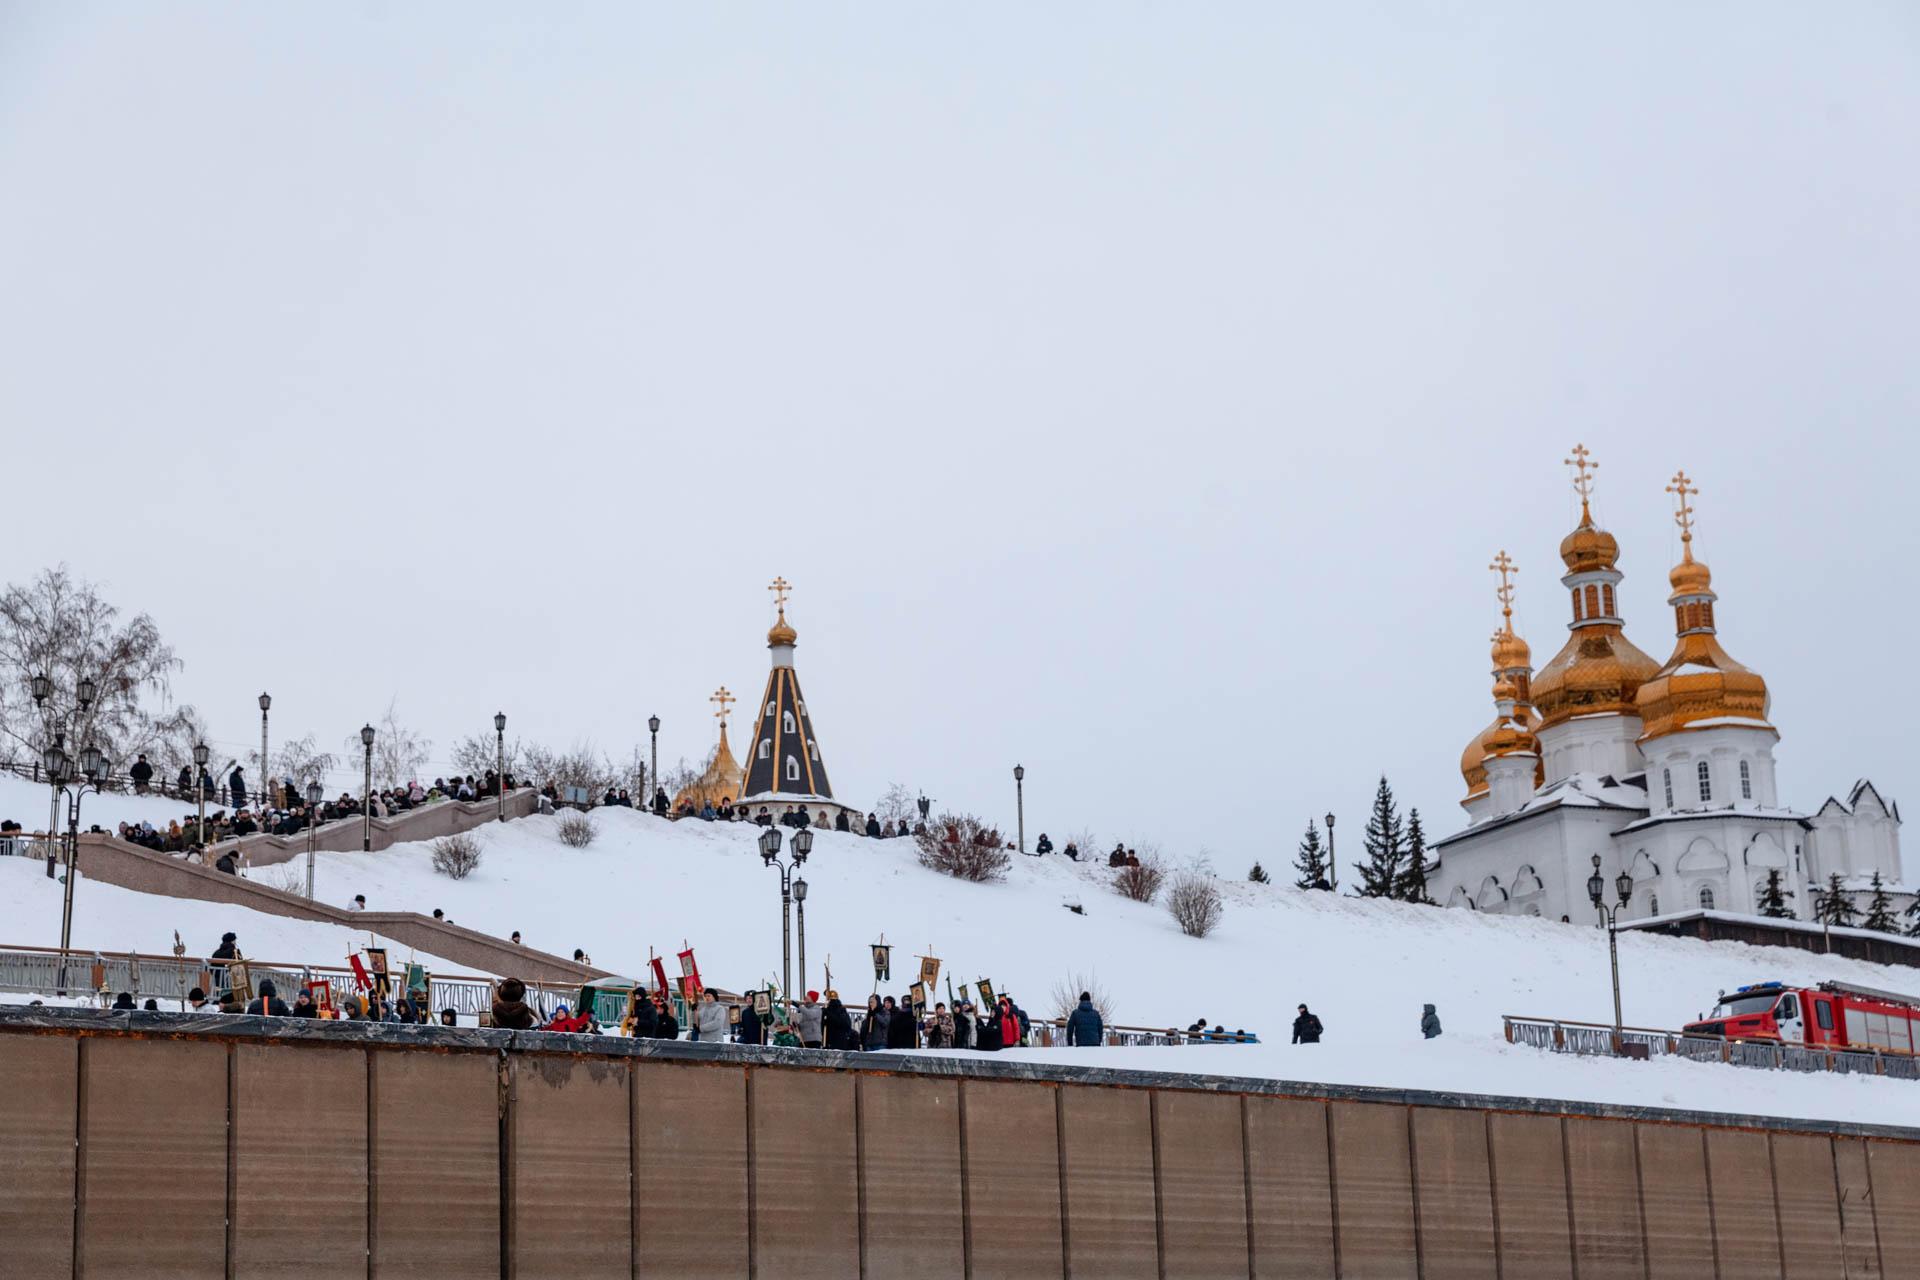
(1365,967)
(26,802)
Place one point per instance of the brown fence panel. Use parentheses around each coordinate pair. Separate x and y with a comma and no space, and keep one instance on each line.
(299,1161)
(1530,1196)
(1454,1194)
(1373,1190)
(153,1184)
(690,1169)
(569,1167)
(1112,1225)
(1013,1187)
(1603,1184)
(1806,1191)
(910,1167)
(1291,1189)
(436,1164)
(1203,1184)
(36,1170)
(1859,1250)
(1895,1170)
(1674,1202)
(1745,1225)
(806,1176)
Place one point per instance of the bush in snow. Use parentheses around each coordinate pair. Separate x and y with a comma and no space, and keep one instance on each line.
(963,847)
(575,829)
(1066,995)
(1141,883)
(1194,902)
(456,855)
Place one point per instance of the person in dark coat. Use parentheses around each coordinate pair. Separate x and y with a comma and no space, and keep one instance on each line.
(142,775)
(1429,1022)
(665,1025)
(837,1024)
(185,781)
(873,825)
(903,1032)
(1306,1028)
(226,863)
(1043,846)
(986,1034)
(237,784)
(840,822)
(268,1002)
(750,1031)
(1085,1030)
(510,1008)
(123,1003)
(963,1025)
(303,1006)
(873,1032)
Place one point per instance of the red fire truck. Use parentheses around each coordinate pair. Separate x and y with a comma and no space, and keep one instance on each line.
(1833,1013)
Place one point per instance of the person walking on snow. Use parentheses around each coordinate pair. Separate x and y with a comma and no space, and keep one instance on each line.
(1429,1022)
(1085,1030)
(1306,1028)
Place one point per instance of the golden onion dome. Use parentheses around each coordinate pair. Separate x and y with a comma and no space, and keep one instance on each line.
(782,632)
(1473,761)
(1690,577)
(1510,652)
(1702,688)
(1598,671)
(1588,548)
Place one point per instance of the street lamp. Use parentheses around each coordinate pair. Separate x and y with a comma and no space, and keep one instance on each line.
(313,828)
(500,766)
(366,801)
(260,783)
(653,727)
(770,856)
(800,912)
(1609,915)
(94,768)
(200,757)
(1333,866)
(1020,802)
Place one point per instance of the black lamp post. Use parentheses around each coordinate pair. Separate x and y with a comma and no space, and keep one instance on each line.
(313,828)
(800,913)
(653,727)
(1333,866)
(91,774)
(500,766)
(366,802)
(260,783)
(770,856)
(201,755)
(1609,915)
(1020,802)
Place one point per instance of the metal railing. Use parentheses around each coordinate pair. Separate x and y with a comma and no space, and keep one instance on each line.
(1596,1039)
(23,846)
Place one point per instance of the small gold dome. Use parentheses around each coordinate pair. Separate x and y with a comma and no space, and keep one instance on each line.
(1588,548)
(781,632)
(1690,577)
(1473,766)
(1510,652)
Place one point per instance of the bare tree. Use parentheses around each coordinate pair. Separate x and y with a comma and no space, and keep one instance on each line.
(1140,883)
(398,752)
(456,856)
(680,775)
(1066,995)
(897,803)
(578,766)
(479,755)
(300,759)
(59,626)
(1194,902)
(961,846)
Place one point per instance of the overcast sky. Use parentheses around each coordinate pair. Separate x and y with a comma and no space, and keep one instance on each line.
(1134,392)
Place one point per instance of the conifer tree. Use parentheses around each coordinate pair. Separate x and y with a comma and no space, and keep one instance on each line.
(1912,913)
(1311,861)
(1386,847)
(1259,874)
(1880,909)
(1773,898)
(1835,906)
(1413,881)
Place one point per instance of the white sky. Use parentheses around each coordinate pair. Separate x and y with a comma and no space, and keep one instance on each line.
(1136,392)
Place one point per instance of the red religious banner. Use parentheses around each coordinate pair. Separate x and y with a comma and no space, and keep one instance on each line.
(689,976)
(660,987)
(360,977)
(320,991)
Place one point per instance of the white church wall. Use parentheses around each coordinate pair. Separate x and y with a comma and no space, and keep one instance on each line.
(1597,744)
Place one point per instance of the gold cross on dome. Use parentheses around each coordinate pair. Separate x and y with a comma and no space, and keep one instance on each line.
(1582,482)
(1682,488)
(1504,566)
(722,698)
(780,587)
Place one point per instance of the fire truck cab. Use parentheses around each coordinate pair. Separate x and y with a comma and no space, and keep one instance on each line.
(1833,1013)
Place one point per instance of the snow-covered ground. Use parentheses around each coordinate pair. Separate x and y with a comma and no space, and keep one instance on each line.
(26,802)
(1365,967)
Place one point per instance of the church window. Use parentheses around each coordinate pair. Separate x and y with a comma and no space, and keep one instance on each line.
(1706,615)
(1746,781)
(803,708)
(1606,596)
(1666,777)
(1706,897)
(1706,783)
(793,769)
(813,750)
(1576,605)
(766,749)
(771,708)
(786,720)
(1653,904)
(1593,601)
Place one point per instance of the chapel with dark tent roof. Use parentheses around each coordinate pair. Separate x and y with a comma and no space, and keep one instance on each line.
(784,766)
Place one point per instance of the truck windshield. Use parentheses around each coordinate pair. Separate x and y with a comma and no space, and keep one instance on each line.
(1736,1006)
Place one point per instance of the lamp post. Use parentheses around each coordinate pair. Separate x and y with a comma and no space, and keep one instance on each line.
(1333,867)
(366,801)
(500,767)
(653,727)
(800,911)
(1020,802)
(313,828)
(260,783)
(1609,915)
(770,856)
(41,686)
(93,768)
(200,757)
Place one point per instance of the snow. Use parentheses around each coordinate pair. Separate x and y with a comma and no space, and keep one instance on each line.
(1728,722)
(1364,967)
(1694,669)
(26,802)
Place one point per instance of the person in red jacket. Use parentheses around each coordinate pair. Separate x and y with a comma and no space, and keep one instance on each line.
(563,1021)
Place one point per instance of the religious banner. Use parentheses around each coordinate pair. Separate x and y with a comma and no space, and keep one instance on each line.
(763,1002)
(240,982)
(417,982)
(660,986)
(377,966)
(930,972)
(918,995)
(320,991)
(360,977)
(690,987)
(882,962)
(985,988)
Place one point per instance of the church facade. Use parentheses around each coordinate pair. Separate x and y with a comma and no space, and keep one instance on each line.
(1664,770)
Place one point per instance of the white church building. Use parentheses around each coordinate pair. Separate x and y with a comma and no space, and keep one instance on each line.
(1665,771)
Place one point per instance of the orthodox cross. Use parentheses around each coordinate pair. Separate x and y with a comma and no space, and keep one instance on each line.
(1504,566)
(780,587)
(1682,488)
(721,697)
(1582,482)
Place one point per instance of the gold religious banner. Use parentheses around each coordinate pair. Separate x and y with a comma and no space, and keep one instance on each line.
(985,988)
(882,961)
(930,971)
(240,982)
(917,994)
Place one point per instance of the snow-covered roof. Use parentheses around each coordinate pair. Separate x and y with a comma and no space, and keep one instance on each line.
(1575,791)
(1728,722)
(1791,926)
(1704,815)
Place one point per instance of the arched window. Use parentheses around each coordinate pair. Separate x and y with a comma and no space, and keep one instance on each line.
(1593,601)
(786,722)
(1706,783)
(813,750)
(1576,604)
(766,749)
(793,769)
(771,708)
(1666,777)
(1653,904)
(1606,598)
(1706,897)
(1746,781)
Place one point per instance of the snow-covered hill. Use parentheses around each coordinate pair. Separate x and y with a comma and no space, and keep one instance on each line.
(1365,967)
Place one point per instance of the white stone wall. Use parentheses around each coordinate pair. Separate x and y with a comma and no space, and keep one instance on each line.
(1674,761)
(1596,744)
